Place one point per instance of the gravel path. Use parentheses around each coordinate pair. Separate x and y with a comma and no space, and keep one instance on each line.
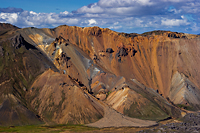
(113,118)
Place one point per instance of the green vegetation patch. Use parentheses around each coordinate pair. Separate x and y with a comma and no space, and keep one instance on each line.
(47,129)
(108,93)
(149,111)
(24,129)
(185,107)
(72,127)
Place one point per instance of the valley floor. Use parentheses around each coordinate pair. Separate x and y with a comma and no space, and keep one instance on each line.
(67,129)
(82,128)
(189,124)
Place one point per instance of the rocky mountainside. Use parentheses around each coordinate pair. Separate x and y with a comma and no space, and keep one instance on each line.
(78,75)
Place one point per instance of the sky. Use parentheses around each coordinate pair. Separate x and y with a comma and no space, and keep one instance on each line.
(129,16)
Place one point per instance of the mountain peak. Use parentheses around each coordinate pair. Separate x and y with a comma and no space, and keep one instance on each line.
(7,26)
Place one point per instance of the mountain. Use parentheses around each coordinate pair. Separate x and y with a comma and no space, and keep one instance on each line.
(20,64)
(85,75)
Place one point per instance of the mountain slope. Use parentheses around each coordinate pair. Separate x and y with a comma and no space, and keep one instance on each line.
(57,98)
(20,64)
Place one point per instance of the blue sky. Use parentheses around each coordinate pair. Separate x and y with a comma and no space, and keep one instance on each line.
(130,16)
(46,6)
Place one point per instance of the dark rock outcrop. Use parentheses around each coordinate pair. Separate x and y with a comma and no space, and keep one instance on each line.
(122,52)
(109,50)
(190,123)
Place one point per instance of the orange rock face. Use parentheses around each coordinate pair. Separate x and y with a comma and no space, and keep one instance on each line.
(151,59)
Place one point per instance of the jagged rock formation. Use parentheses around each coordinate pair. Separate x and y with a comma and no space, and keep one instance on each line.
(152,76)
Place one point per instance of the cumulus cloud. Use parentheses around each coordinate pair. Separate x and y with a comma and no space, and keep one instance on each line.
(121,7)
(31,18)
(93,8)
(192,7)
(119,15)
(174,22)
(92,22)
(115,27)
(124,3)
(9,17)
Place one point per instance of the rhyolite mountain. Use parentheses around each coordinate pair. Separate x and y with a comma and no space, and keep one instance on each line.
(79,75)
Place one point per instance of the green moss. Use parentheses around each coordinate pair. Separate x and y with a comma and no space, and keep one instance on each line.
(48,114)
(149,111)
(30,78)
(21,50)
(108,93)
(185,107)
(72,127)
(48,129)
(24,82)
(28,129)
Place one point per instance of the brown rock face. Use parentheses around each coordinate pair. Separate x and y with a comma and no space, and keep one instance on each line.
(153,76)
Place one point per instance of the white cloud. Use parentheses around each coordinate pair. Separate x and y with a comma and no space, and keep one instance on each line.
(128,7)
(92,22)
(192,7)
(120,15)
(178,1)
(94,8)
(9,17)
(195,27)
(32,12)
(72,21)
(175,11)
(174,22)
(31,18)
(123,3)
(65,13)
(138,22)
(115,27)
(90,15)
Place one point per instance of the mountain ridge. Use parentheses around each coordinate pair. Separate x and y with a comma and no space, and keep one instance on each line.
(129,72)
